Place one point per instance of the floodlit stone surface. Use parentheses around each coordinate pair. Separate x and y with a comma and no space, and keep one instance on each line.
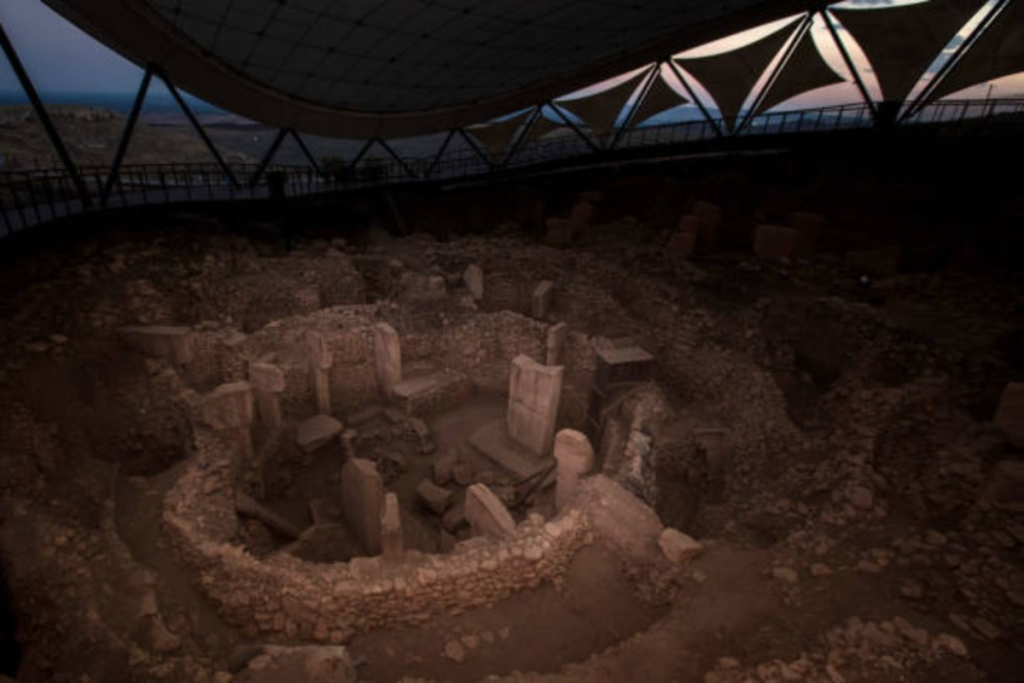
(535,391)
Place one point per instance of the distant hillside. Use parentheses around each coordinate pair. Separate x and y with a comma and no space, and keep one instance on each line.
(92,135)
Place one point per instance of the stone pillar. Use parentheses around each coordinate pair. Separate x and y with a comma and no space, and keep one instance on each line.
(391,539)
(362,502)
(717,446)
(535,391)
(229,407)
(387,356)
(542,295)
(474,279)
(556,343)
(575,458)
(710,217)
(810,226)
(320,362)
(486,514)
(267,384)
(1010,414)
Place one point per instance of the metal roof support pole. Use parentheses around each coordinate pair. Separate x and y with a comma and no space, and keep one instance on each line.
(440,153)
(387,148)
(921,101)
(693,96)
(473,145)
(305,151)
(801,31)
(261,169)
(590,143)
(126,138)
(195,124)
(522,135)
(849,62)
(44,117)
(646,88)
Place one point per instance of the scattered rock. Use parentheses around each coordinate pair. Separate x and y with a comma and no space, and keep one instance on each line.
(677,546)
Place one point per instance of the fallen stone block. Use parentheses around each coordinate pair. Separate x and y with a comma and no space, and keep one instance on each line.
(433,497)
(247,506)
(455,518)
(677,546)
(682,244)
(160,341)
(316,432)
(486,514)
(229,406)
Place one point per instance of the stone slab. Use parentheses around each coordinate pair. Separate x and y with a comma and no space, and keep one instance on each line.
(362,502)
(229,406)
(493,442)
(775,241)
(487,516)
(433,497)
(415,386)
(625,356)
(266,377)
(316,432)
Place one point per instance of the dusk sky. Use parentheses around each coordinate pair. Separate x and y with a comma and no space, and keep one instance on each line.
(62,59)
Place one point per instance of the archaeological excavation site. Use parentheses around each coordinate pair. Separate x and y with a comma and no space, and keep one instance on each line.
(664,342)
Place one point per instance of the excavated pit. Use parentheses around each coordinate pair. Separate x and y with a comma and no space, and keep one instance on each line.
(166,494)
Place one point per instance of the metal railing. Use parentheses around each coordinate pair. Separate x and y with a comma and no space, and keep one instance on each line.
(32,197)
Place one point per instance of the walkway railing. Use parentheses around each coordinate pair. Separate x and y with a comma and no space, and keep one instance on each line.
(32,197)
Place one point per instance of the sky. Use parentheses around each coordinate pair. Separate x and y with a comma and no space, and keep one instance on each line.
(62,60)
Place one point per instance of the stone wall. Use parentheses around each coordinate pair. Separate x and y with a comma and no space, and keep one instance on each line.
(285,598)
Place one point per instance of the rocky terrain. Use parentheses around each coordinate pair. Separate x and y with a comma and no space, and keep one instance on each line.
(869,526)
(92,135)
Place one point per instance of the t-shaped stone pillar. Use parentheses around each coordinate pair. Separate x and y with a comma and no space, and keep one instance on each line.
(229,408)
(362,501)
(391,539)
(387,355)
(533,398)
(575,458)
(267,383)
(556,343)
(320,362)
